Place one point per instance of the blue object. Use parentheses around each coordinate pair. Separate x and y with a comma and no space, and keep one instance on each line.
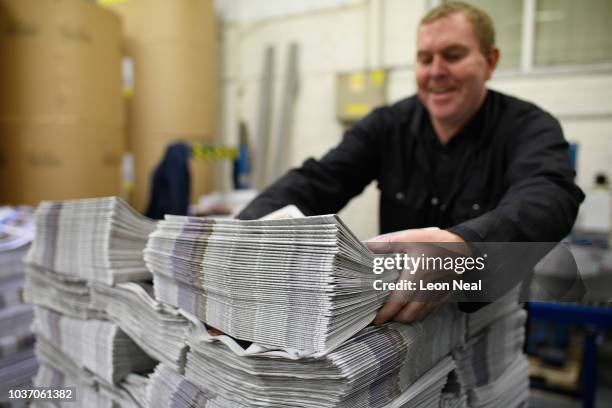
(595,319)
(170,184)
(573,154)
(242,168)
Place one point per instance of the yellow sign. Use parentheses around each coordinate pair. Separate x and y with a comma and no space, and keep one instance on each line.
(357,109)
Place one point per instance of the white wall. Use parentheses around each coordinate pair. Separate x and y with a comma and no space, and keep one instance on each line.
(345,35)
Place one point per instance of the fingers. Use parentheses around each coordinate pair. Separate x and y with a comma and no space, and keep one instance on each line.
(427,310)
(397,300)
(406,313)
(410,312)
(387,312)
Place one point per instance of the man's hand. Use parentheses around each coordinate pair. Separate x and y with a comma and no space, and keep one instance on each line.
(399,307)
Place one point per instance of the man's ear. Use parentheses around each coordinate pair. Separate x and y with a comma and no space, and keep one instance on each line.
(492,60)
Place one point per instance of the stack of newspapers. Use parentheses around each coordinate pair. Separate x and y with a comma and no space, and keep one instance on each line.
(394,365)
(96,345)
(160,330)
(87,279)
(302,283)
(196,312)
(58,372)
(62,293)
(167,388)
(98,240)
(373,368)
(491,365)
(17,360)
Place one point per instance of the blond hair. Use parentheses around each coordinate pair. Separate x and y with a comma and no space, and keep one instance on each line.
(481,21)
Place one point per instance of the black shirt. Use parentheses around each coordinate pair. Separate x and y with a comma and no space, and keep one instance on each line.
(506,176)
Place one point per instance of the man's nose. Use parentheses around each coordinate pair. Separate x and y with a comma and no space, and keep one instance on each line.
(438,66)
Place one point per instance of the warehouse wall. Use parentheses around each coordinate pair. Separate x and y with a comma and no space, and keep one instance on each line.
(346,35)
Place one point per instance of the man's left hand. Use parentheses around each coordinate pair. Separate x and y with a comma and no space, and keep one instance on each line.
(399,307)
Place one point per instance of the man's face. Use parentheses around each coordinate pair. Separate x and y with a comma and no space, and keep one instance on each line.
(451,70)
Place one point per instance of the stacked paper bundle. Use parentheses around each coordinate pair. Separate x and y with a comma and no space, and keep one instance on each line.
(57,371)
(510,390)
(17,360)
(79,245)
(504,306)
(11,276)
(168,389)
(98,239)
(371,369)
(426,391)
(491,366)
(488,354)
(62,293)
(97,345)
(303,283)
(158,329)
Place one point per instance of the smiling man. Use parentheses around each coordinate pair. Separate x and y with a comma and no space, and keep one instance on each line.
(478,164)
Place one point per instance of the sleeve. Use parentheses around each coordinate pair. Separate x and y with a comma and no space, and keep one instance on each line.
(541,201)
(325,186)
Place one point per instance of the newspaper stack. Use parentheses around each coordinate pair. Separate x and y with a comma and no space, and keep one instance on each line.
(488,354)
(96,345)
(303,283)
(492,312)
(79,245)
(510,390)
(169,389)
(371,369)
(158,329)
(63,293)
(98,240)
(17,360)
(11,276)
(427,390)
(85,395)
(57,371)
(491,366)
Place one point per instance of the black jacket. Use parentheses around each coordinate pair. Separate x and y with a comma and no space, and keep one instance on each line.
(505,177)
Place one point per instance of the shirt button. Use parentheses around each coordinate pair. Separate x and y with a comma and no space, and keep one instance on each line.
(434,201)
(399,196)
(476,207)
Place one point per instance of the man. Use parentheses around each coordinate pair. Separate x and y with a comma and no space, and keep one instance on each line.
(480,165)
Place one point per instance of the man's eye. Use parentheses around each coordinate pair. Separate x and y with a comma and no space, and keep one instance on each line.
(454,56)
(424,59)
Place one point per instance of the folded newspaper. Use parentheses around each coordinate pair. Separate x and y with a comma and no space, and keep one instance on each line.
(488,354)
(97,239)
(510,390)
(160,330)
(63,293)
(97,345)
(58,371)
(301,283)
